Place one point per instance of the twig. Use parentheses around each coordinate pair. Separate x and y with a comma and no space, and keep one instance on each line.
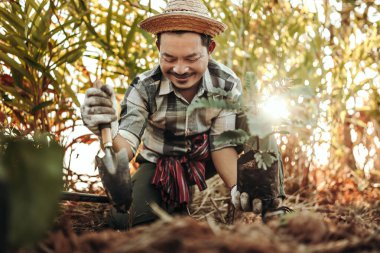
(202,203)
(218,210)
(222,198)
(160,212)
(230,214)
(44,248)
(214,228)
(207,214)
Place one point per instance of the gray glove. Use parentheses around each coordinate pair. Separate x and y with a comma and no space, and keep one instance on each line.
(100,107)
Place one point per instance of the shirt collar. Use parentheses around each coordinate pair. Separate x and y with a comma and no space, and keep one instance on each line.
(166,86)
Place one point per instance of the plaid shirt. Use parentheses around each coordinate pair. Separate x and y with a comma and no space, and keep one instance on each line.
(154,112)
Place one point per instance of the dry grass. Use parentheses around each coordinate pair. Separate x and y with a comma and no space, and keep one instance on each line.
(315,226)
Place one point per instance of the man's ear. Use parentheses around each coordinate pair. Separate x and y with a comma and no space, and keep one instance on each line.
(211,47)
(158,45)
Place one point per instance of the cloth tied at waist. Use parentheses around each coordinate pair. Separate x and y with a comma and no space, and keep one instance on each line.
(174,174)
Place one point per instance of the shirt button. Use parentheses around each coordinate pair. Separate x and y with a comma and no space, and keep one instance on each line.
(188,146)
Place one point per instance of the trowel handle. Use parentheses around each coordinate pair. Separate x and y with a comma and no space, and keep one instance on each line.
(105,129)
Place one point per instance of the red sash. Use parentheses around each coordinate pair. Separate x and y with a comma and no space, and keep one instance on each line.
(174,174)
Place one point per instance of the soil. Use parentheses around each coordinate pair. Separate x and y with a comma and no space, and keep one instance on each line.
(262,185)
(316,225)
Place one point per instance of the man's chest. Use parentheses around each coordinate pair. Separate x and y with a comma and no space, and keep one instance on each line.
(172,115)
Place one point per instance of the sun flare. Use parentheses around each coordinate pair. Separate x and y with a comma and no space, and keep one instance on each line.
(276,108)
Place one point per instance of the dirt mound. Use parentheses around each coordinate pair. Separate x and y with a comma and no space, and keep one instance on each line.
(314,227)
(331,229)
(306,227)
(182,234)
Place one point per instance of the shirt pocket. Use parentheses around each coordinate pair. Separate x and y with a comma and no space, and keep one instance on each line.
(207,115)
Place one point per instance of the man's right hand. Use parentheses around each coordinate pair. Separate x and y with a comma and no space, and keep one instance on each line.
(100,107)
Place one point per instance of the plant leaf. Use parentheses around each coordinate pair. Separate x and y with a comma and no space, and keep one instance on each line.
(235,137)
(41,105)
(108,22)
(13,64)
(211,102)
(260,125)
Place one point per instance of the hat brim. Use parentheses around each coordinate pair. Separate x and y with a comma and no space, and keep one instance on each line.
(182,21)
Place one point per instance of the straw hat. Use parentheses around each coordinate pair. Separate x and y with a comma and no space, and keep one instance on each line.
(184,15)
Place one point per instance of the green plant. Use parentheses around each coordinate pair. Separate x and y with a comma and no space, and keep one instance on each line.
(35,51)
(31,176)
(261,124)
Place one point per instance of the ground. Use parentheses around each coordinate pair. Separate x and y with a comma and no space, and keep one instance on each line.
(322,222)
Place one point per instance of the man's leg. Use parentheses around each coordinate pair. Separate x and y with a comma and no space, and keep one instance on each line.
(143,194)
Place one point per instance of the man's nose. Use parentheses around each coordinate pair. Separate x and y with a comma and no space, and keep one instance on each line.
(180,69)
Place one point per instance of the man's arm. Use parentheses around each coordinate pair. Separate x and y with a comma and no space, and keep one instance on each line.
(119,143)
(225,162)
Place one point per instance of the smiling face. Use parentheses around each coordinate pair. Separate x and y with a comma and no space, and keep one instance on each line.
(183,58)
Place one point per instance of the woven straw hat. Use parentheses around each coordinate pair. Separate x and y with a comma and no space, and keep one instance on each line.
(184,15)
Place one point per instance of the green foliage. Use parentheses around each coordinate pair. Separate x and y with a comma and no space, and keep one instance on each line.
(265,160)
(35,48)
(261,124)
(213,102)
(235,137)
(217,98)
(45,47)
(44,50)
(122,49)
(337,59)
(32,170)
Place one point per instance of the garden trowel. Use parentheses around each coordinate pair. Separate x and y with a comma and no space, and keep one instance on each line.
(114,169)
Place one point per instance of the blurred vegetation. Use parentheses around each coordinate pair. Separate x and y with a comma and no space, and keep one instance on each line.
(31,182)
(51,51)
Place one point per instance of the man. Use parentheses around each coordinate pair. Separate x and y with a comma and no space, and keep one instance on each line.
(178,148)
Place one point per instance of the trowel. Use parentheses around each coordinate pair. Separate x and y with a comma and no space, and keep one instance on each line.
(114,169)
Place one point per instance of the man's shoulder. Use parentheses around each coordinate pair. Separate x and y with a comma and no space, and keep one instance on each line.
(221,71)
(223,77)
(148,78)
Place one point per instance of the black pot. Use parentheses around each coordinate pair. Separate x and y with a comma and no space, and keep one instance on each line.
(257,182)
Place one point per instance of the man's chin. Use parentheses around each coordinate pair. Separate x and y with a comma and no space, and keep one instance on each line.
(183,85)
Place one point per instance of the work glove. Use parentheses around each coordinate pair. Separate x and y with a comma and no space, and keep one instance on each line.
(100,107)
(241,201)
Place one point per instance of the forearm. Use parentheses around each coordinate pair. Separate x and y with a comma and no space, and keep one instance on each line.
(225,162)
(119,143)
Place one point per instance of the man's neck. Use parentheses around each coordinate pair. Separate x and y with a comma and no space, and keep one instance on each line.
(189,93)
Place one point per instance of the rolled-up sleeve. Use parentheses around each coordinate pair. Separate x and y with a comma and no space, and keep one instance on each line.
(224,122)
(133,118)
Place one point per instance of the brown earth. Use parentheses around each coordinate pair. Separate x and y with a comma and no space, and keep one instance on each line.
(317,225)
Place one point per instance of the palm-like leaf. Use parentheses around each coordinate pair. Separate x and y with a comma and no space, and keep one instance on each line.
(32,48)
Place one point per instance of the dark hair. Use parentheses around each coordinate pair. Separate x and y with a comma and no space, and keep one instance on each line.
(206,39)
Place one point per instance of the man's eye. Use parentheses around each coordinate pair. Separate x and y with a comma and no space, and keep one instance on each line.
(193,59)
(169,59)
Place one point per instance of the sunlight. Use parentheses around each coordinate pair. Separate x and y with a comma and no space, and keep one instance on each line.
(276,108)
(156,4)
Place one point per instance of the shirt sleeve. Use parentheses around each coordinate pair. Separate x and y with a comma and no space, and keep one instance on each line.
(133,117)
(225,121)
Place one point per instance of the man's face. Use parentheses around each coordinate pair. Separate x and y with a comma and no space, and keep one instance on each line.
(183,58)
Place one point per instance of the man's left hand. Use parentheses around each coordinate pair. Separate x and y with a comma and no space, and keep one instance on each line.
(241,201)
